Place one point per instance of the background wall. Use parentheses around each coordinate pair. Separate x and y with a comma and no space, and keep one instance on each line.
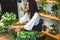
(20,7)
(20,12)
(48,21)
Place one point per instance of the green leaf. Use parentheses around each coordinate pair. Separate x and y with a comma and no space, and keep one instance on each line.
(27,35)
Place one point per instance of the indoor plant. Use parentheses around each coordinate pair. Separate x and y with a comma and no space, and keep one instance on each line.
(43,2)
(58,11)
(42,6)
(55,29)
(57,0)
(6,20)
(54,10)
(27,35)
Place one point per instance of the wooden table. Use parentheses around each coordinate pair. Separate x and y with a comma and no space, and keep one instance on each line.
(5,37)
(47,33)
(57,36)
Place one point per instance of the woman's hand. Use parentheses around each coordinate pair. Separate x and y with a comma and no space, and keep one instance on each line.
(13,27)
(17,23)
(17,28)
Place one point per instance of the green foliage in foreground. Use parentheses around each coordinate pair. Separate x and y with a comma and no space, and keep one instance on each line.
(27,35)
(6,20)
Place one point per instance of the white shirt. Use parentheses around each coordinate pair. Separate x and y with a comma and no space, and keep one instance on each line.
(34,21)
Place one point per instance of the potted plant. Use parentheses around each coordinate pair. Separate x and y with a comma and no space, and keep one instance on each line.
(58,4)
(54,30)
(43,2)
(58,11)
(42,6)
(27,35)
(6,20)
(57,0)
(54,10)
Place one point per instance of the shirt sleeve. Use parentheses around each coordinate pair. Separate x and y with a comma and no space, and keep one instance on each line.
(24,18)
(31,23)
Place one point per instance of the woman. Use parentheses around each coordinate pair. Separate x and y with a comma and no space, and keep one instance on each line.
(32,16)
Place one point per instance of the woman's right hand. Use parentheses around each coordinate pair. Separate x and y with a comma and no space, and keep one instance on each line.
(13,27)
(17,28)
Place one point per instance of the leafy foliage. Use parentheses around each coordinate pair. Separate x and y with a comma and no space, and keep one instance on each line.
(1,25)
(55,9)
(27,35)
(7,19)
(8,16)
(58,0)
(44,5)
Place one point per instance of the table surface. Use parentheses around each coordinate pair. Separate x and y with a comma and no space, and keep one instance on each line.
(7,36)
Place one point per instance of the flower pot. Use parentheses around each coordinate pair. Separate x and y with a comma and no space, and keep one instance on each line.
(53,31)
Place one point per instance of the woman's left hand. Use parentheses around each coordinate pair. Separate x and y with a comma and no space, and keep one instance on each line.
(13,26)
(17,30)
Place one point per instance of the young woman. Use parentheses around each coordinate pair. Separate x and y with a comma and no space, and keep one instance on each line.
(32,16)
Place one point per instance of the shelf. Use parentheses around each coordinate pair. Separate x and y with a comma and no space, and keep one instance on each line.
(51,1)
(5,37)
(38,0)
(49,16)
(48,1)
(54,36)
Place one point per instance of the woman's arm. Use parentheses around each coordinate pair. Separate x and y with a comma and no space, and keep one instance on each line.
(17,28)
(24,18)
(32,22)
(21,21)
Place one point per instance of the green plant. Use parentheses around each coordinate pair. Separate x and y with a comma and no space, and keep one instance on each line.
(55,25)
(27,35)
(8,16)
(43,2)
(49,38)
(55,9)
(1,25)
(42,6)
(57,0)
(6,20)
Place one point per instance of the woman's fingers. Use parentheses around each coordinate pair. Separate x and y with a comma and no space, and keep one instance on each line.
(17,30)
(10,27)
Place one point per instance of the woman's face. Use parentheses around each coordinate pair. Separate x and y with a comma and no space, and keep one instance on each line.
(27,5)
